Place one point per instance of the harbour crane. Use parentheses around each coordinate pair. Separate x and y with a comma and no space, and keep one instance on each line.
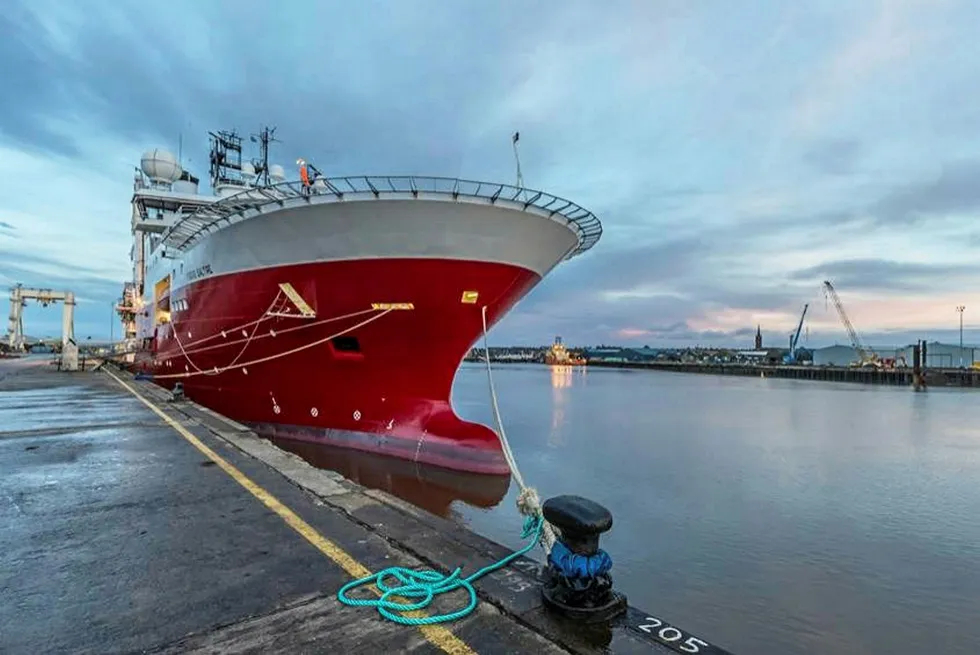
(867,356)
(19,295)
(794,339)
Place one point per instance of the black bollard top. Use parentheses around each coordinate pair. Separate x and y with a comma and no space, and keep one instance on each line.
(577,515)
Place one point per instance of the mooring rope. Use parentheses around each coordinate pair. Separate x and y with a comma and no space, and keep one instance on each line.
(255,329)
(286,353)
(528,501)
(425,585)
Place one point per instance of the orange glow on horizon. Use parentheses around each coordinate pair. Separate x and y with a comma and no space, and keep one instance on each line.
(869,315)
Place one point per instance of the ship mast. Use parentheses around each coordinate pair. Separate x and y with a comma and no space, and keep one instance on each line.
(226,156)
(263,138)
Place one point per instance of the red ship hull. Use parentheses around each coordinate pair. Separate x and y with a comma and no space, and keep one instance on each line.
(366,372)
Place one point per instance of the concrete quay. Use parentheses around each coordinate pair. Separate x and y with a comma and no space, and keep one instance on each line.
(136,524)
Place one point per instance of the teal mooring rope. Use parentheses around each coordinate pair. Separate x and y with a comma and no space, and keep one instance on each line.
(426,585)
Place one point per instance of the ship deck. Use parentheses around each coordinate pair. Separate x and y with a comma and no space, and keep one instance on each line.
(132,523)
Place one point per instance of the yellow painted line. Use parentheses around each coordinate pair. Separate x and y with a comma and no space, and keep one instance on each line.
(438,635)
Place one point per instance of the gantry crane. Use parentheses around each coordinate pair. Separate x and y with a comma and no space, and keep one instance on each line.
(15,332)
(866,355)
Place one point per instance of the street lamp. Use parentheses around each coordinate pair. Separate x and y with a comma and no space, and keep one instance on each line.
(959,309)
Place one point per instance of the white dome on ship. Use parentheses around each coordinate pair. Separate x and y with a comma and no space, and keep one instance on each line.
(277,173)
(248,170)
(160,165)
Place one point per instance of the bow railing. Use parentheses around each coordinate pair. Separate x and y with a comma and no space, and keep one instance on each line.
(251,201)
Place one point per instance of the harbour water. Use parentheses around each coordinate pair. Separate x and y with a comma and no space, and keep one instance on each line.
(770,516)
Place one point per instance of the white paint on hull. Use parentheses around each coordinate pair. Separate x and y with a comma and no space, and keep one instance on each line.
(388,229)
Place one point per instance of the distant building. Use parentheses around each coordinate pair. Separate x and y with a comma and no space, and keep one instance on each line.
(646,352)
(758,337)
(943,355)
(615,354)
(757,356)
(761,356)
(938,355)
(835,356)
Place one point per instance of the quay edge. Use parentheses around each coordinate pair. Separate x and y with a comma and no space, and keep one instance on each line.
(215,586)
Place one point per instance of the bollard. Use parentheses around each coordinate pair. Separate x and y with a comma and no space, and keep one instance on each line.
(576,581)
(178,392)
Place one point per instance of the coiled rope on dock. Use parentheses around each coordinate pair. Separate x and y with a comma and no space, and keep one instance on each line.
(425,585)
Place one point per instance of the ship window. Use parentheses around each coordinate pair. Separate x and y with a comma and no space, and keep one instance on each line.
(346,344)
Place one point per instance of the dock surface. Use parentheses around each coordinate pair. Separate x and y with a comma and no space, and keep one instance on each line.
(137,524)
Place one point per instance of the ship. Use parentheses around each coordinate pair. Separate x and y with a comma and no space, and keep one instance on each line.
(558,355)
(333,310)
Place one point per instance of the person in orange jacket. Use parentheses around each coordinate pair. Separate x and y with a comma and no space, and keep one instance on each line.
(304,174)
(307,174)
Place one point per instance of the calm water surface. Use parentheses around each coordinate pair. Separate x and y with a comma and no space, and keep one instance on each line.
(769,516)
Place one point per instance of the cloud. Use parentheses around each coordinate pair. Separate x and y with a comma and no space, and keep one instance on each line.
(729,178)
(684,334)
(872,46)
(955,190)
(884,274)
(39,271)
(834,156)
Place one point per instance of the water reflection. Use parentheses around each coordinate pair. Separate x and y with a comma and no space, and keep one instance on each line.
(773,516)
(562,379)
(429,487)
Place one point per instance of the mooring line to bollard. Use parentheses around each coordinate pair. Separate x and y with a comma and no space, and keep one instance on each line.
(528,501)
(427,584)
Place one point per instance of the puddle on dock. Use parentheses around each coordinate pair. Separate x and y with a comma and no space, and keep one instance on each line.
(432,488)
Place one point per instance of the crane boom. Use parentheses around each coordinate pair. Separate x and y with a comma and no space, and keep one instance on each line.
(794,342)
(865,354)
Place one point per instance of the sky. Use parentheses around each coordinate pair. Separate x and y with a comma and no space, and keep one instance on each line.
(737,157)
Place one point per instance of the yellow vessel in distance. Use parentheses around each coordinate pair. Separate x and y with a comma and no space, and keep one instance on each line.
(558,355)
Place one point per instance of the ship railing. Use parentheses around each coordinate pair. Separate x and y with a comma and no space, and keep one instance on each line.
(252,201)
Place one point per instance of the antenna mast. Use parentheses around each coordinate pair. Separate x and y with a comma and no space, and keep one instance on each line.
(226,156)
(263,138)
(517,158)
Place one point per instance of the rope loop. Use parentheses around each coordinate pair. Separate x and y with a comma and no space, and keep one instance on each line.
(422,587)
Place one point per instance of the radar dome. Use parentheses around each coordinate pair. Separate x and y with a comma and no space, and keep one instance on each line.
(248,170)
(277,173)
(160,166)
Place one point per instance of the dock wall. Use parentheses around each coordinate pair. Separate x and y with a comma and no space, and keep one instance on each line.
(895,377)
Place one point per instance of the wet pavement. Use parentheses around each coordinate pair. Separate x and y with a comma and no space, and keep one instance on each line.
(142,525)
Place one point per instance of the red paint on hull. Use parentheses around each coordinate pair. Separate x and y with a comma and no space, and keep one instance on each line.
(392,397)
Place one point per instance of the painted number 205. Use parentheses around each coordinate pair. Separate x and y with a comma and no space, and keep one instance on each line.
(671,635)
